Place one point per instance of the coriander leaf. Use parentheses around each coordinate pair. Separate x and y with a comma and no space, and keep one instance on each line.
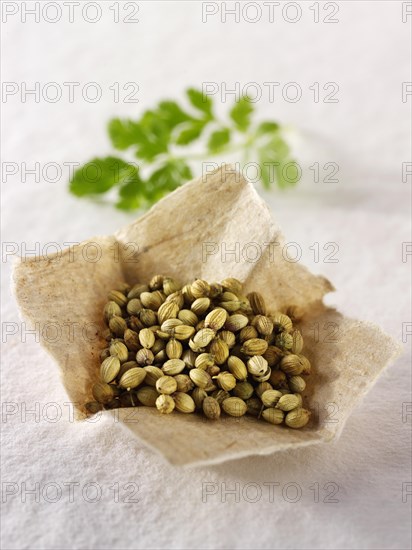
(218,139)
(241,113)
(101,174)
(172,114)
(167,178)
(276,164)
(155,136)
(267,127)
(201,101)
(124,133)
(131,195)
(190,132)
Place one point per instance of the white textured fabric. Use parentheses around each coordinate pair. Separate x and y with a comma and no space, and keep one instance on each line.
(367,213)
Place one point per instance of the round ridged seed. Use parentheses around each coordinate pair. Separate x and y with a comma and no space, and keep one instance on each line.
(198,395)
(234,406)
(297,344)
(257,303)
(147,338)
(237,367)
(134,306)
(220,351)
(274,416)
(184,383)
(144,357)
(262,387)
(204,360)
(132,378)
(117,325)
(147,396)
(203,337)
(173,366)
(118,297)
(236,322)
(200,288)
(188,317)
(174,349)
(257,366)
(226,381)
(183,402)
(288,402)
(297,384)
(271,397)
(166,311)
(291,364)
(103,393)
(111,309)
(200,306)
(109,369)
(211,408)
(166,385)
(136,290)
(131,339)
(183,332)
(216,318)
(200,378)
(298,418)
(254,346)
(119,350)
(165,404)
(244,390)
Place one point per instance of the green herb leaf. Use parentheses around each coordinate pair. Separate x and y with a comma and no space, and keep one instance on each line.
(172,114)
(124,133)
(241,113)
(267,127)
(168,177)
(191,132)
(101,174)
(277,167)
(201,101)
(218,140)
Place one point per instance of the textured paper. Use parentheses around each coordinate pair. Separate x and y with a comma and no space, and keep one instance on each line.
(213,227)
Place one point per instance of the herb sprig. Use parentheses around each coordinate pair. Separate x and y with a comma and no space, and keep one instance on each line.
(160,139)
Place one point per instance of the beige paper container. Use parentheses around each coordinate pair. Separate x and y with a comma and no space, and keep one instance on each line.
(186,236)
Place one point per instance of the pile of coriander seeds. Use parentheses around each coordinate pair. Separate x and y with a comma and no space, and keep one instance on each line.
(202,347)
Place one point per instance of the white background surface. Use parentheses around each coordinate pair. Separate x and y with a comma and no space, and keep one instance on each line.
(367,213)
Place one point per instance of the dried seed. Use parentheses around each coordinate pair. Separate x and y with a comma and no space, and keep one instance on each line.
(117,325)
(220,351)
(165,404)
(174,349)
(234,406)
(200,288)
(237,367)
(291,364)
(119,350)
(144,357)
(147,396)
(297,384)
(184,383)
(271,397)
(183,402)
(118,297)
(200,378)
(136,290)
(198,395)
(200,306)
(257,365)
(109,369)
(131,339)
(263,325)
(103,393)
(257,303)
(111,309)
(152,375)
(173,366)
(132,378)
(166,311)
(166,385)
(188,317)
(216,318)
(244,390)
(274,416)
(287,402)
(254,346)
(297,418)
(211,408)
(225,380)
(134,306)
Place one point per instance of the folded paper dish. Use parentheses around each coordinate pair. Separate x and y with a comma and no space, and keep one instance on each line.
(212,228)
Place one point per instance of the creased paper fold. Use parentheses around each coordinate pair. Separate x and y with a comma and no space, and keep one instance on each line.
(213,227)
